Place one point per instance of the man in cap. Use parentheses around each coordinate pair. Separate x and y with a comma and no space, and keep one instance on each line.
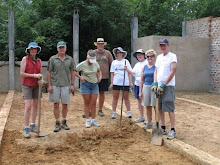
(61,78)
(164,85)
(104,59)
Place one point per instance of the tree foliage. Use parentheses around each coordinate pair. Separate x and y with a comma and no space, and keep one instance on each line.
(49,21)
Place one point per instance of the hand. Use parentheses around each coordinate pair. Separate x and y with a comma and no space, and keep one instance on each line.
(99,79)
(154,87)
(39,76)
(50,89)
(131,85)
(40,82)
(71,89)
(125,67)
(140,95)
(160,89)
(111,86)
(82,80)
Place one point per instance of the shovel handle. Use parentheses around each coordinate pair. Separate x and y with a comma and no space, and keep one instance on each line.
(157,115)
(39,109)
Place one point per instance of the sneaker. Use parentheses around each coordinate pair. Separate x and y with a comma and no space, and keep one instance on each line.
(129,114)
(27,132)
(88,123)
(95,123)
(33,128)
(148,126)
(57,127)
(164,131)
(64,125)
(114,115)
(171,135)
(139,120)
(100,113)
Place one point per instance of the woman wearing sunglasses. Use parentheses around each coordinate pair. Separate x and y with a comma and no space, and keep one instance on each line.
(147,78)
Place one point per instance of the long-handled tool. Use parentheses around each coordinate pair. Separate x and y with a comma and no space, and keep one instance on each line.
(122,98)
(40,134)
(157,132)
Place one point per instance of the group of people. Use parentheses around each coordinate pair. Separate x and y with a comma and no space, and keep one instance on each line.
(152,76)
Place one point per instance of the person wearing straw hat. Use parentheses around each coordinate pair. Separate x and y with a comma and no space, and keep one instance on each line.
(61,79)
(104,59)
(145,93)
(136,72)
(120,79)
(91,75)
(164,85)
(30,71)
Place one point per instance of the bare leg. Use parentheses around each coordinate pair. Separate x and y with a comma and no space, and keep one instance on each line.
(27,112)
(172,119)
(162,117)
(149,113)
(64,110)
(34,110)
(140,107)
(93,100)
(101,99)
(115,99)
(87,106)
(127,101)
(56,111)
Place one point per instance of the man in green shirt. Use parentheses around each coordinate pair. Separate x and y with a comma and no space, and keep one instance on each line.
(61,78)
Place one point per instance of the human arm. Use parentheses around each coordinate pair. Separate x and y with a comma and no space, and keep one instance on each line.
(141,84)
(82,79)
(72,81)
(154,85)
(112,77)
(49,87)
(99,75)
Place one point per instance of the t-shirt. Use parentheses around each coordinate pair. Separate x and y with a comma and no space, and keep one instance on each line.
(163,64)
(137,71)
(117,68)
(89,72)
(149,74)
(61,70)
(104,60)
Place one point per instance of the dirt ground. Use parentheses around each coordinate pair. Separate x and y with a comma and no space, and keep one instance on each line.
(195,125)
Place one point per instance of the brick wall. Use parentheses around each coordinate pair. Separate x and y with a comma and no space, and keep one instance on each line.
(208,27)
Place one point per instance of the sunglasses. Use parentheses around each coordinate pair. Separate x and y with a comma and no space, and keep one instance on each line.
(150,56)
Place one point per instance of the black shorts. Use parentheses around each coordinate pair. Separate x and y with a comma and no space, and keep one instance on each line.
(103,85)
(117,87)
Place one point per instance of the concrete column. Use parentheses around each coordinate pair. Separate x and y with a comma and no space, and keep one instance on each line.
(11,49)
(134,35)
(184,29)
(76,42)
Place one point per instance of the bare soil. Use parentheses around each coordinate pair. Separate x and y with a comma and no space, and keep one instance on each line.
(195,125)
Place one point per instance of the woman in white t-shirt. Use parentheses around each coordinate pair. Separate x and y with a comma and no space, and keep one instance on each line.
(120,79)
(136,72)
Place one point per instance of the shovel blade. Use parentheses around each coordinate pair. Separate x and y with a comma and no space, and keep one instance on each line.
(42,134)
(157,136)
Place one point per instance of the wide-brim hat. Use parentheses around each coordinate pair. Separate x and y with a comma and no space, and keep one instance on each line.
(100,40)
(33,45)
(121,50)
(139,51)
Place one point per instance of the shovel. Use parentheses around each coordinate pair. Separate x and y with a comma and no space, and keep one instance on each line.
(40,134)
(157,132)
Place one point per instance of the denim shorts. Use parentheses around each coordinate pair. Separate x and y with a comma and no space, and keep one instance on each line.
(89,88)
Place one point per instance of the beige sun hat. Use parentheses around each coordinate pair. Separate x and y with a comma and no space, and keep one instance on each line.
(100,40)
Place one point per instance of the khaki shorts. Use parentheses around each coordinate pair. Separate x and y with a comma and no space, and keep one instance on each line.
(149,97)
(29,92)
(60,94)
(166,101)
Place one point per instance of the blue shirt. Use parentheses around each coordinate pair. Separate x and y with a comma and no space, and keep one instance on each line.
(148,75)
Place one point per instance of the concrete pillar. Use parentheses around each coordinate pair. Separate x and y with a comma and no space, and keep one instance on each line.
(134,35)
(76,42)
(11,49)
(184,29)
